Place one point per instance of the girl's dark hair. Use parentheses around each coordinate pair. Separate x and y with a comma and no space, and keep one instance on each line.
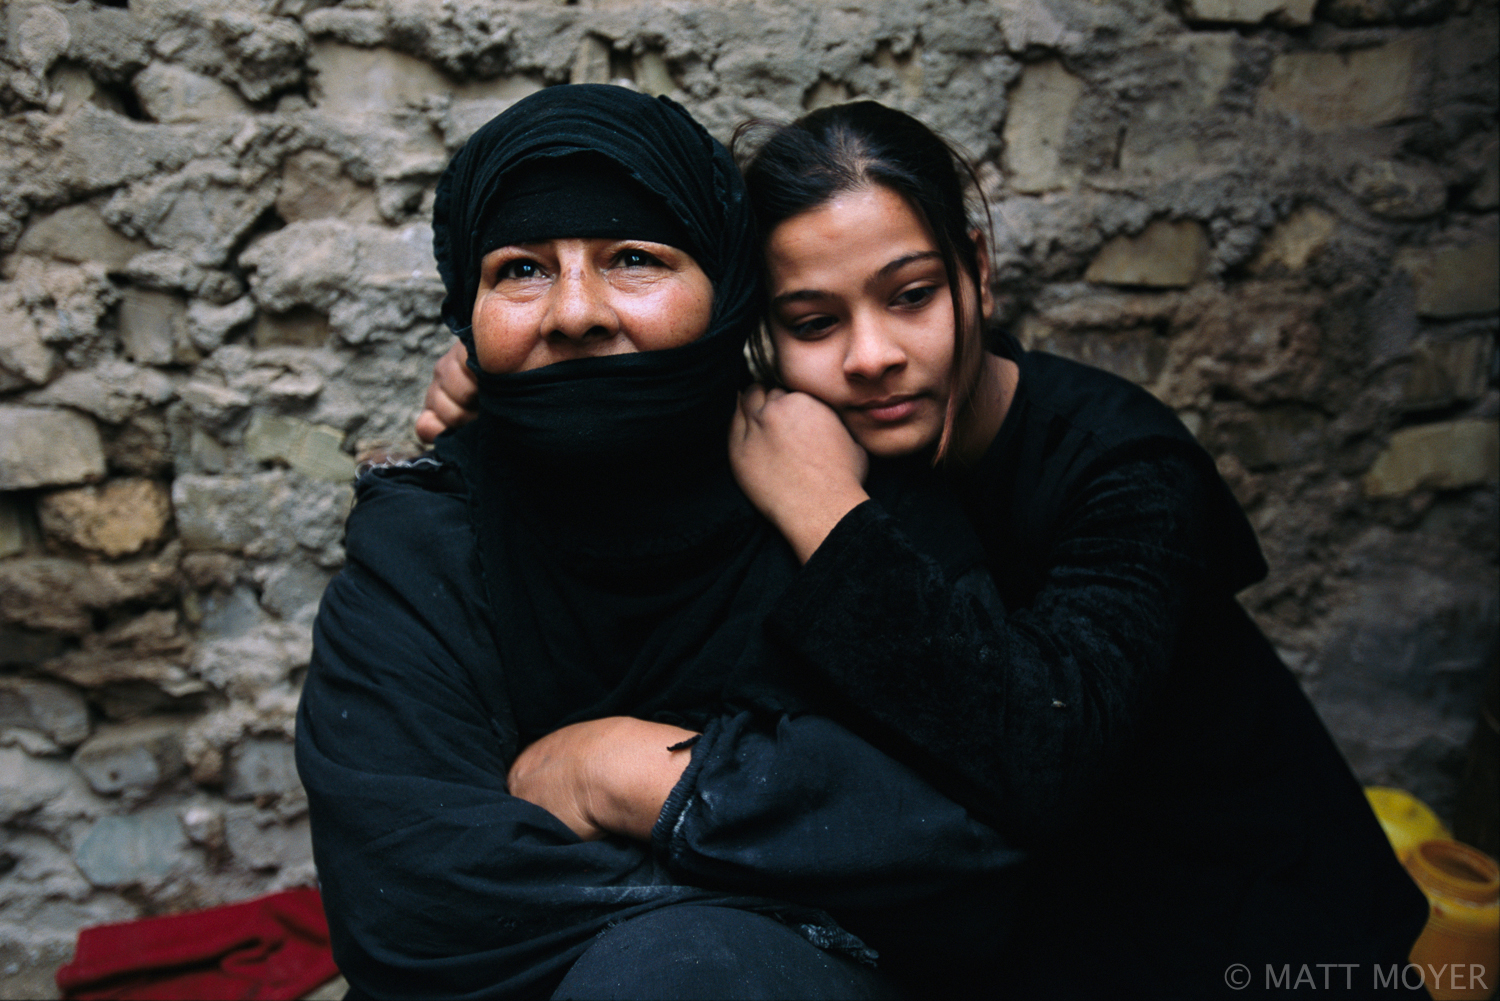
(799,166)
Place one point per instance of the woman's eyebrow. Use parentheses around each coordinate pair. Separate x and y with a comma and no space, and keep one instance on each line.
(886,270)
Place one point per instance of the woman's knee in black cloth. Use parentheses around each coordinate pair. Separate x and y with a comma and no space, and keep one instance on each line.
(692,951)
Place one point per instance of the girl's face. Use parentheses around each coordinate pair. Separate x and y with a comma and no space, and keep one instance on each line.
(861,317)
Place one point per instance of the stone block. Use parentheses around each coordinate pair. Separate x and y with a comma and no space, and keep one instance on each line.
(39,34)
(1166,254)
(652,75)
(265,514)
(228,614)
(55,711)
(1295,240)
(1287,12)
(139,848)
(261,766)
(25,357)
(117,519)
(1360,13)
(43,448)
(153,325)
(58,595)
(210,570)
(476,102)
(173,94)
(211,402)
(14,517)
(77,234)
(250,665)
(1330,91)
(132,758)
(591,63)
(1036,125)
(294,387)
(200,212)
(74,86)
(292,591)
(1399,190)
(28,783)
(312,449)
(209,324)
(1486,191)
(314,186)
(23,647)
(297,328)
(1447,455)
(1137,354)
(1454,281)
(1276,436)
(1446,372)
(263,842)
(113,390)
(353,82)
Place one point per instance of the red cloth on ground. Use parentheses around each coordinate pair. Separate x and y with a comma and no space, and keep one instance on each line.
(273,948)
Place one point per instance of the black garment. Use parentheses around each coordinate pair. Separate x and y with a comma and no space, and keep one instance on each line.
(687,953)
(439,884)
(1079,673)
(626,570)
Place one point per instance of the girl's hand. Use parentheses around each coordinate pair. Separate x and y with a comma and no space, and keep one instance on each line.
(603,776)
(797,463)
(451,397)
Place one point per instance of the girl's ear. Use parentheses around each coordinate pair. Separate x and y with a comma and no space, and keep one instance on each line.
(982,263)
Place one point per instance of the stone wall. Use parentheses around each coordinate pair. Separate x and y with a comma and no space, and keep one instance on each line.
(216,294)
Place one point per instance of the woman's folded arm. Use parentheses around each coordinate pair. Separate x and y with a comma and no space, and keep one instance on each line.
(435,879)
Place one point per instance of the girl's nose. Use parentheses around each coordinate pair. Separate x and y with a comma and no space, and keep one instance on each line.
(871,351)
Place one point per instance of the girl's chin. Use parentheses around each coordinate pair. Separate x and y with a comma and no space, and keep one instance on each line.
(897,442)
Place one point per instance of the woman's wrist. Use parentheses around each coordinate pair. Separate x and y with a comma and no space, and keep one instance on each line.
(633,771)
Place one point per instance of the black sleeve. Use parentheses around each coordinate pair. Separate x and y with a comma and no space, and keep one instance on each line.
(435,881)
(799,808)
(1023,711)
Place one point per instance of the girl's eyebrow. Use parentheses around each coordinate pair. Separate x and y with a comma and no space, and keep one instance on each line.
(891,267)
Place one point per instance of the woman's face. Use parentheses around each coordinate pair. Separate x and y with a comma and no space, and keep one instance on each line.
(547,302)
(862,318)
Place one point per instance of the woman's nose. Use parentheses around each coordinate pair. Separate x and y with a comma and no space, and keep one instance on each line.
(580,308)
(871,351)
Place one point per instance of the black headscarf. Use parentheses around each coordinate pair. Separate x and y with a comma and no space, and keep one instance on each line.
(628,573)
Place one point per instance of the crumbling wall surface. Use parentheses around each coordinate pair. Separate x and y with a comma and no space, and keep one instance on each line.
(216,293)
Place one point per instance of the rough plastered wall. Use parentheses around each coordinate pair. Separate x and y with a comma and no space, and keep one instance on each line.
(216,293)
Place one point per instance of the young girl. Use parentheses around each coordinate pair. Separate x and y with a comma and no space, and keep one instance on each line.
(1019,577)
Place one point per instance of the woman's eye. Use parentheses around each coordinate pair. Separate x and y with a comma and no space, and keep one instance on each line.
(632,258)
(518,270)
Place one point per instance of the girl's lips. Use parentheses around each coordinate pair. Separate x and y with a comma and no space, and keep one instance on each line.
(889,410)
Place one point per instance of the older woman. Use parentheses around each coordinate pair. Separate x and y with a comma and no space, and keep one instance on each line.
(579,564)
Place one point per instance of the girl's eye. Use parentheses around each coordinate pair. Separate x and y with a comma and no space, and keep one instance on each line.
(918,296)
(519,269)
(809,329)
(634,258)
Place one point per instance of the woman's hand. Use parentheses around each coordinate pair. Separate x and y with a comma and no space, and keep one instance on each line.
(451,397)
(603,776)
(797,463)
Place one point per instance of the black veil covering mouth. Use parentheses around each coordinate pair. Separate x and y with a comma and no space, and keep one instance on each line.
(618,409)
(627,572)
